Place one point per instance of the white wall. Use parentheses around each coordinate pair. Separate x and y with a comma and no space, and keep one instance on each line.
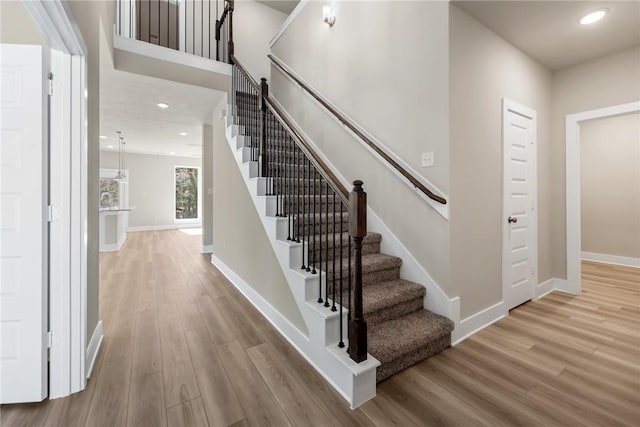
(603,82)
(484,69)
(386,65)
(151,186)
(16,26)
(254,25)
(610,186)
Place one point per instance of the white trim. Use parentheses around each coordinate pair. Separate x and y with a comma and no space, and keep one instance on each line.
(611,259)
(292,16)
(206,249)
(114,247)
(165,227)
(573,184)
(475,323)
(511,106)
(443,210)
(170,55)
(68,288)
(490,315)
(94,347)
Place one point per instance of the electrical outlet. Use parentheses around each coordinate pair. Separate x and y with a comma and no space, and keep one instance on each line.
(427,159)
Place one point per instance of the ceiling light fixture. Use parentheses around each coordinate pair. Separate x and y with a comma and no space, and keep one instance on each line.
(172,153)
(103,137)
(109,146)
(162,105)
(183,134)
(593,17)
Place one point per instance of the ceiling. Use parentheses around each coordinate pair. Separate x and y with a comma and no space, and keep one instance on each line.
(128,102)
(284,6)
(550,33)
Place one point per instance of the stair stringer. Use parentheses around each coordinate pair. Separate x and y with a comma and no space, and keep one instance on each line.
(356,382)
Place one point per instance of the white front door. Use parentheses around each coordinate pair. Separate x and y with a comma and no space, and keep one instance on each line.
(23,224)
(519,216)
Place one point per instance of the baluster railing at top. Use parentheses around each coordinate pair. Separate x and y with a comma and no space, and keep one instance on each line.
(317,207)
(199,27)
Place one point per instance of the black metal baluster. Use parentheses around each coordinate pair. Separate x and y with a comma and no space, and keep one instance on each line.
(333,284)
(341,343)
(312,201)
(297,220)
(305,226)
(288,171)
(278,170)
(326,245)
(149,21)
(319,239)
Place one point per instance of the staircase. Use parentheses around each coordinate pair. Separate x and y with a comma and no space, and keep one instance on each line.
(400,332)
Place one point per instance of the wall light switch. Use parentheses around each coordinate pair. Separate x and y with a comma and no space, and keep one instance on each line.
(427,159)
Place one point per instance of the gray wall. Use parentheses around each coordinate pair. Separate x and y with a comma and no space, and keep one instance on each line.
(484,69)
(603,82)
(239,239)
(151,186)
(207,185)
(610,185)
(16,26)
(398,95)
(254,25)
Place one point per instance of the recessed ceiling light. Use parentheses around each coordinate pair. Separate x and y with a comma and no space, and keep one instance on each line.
(172,153)
(103,137)
(183,134)
(109,146)
(162,105)
(592,17)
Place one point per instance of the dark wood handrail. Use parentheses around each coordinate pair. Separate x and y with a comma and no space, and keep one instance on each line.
(249,77)
(413,180)
(320,165)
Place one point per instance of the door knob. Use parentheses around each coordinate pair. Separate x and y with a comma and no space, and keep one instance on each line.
(513,220)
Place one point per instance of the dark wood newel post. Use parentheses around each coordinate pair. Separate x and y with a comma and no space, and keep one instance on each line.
(357,230)
(231,51)
(264,94)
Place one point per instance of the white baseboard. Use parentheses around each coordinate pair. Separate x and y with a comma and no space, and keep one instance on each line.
(93,348)
(478,321)
(207,249)
(115,246)
(165,227)
(611,259)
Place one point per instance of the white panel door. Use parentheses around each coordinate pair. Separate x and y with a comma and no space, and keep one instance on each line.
(519,273)
(23,224)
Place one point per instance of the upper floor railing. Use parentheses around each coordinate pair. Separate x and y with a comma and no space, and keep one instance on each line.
(198,27)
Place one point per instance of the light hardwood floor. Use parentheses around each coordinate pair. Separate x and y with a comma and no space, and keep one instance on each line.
(183,347)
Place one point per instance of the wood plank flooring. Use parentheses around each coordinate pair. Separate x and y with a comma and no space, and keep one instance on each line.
(183,348)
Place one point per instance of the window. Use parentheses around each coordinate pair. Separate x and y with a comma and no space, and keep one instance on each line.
(187,203)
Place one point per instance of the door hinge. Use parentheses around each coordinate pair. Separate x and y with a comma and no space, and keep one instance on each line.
(49,339)
(50,84)
(51,214)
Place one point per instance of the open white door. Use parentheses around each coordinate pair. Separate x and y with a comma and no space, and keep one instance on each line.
(519,216)
(23,224)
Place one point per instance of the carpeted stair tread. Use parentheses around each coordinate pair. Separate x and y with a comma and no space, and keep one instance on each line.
(344,237)
(382,295)
(392,339)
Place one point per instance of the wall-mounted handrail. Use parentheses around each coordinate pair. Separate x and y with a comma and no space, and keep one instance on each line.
(356,130)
